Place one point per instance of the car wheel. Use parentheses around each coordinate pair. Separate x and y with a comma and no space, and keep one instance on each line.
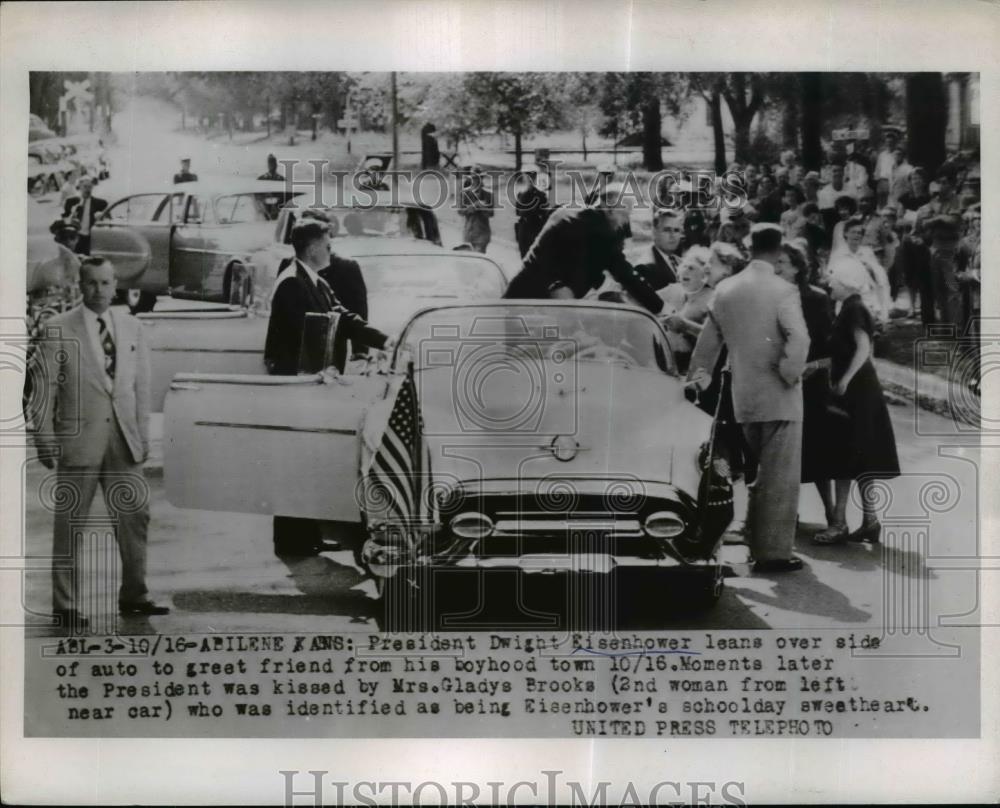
(139,301)
(406,600)
(236,285)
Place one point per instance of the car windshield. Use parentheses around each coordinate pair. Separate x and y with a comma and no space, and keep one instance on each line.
(431,276)
(383,220)
(599,334)
(262,206)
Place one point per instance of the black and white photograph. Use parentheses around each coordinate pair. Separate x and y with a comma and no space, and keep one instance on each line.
(372,401)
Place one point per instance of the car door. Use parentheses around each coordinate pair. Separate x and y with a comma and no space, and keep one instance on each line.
(188,257)
(134,234)
(282,445)
(217,341)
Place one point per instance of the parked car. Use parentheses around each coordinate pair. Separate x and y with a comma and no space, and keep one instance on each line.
(401,277)
(186,240)
(548,437)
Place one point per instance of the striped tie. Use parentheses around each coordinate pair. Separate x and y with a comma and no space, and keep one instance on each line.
(108,344)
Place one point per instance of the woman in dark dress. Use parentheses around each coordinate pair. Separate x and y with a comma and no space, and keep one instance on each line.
(863,445)
(818,313)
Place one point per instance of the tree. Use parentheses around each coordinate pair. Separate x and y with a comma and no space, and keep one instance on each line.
(811,101)
(581,104)
(744,95)
(709,87)
(926,120)
(635,101)
(517,104)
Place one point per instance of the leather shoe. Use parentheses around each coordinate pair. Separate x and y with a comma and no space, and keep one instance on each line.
(71,619)
(792,564)
(144,607)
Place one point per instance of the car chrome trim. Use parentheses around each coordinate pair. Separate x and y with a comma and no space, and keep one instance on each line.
(276,427)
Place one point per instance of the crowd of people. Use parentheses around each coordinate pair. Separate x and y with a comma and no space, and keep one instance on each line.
(772,307)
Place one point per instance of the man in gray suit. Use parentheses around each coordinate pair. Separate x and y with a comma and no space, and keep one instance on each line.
(759,317)
(97,413)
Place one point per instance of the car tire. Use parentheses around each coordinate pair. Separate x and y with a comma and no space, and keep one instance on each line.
(406,601)
(239,272)
(139,301)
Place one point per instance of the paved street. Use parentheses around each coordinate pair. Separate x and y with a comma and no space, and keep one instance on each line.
(218,573)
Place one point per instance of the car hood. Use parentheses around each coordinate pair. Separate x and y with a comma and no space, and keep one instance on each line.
(628,424)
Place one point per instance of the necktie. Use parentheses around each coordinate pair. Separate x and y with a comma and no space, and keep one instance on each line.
(85,217)
(108,345)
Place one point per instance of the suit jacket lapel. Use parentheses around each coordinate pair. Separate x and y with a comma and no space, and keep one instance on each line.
(120,341)
(319,302)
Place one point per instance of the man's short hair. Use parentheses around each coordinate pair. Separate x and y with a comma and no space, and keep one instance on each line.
(94,261)
(809,208)
(765,238)
(665,213)
(306,231)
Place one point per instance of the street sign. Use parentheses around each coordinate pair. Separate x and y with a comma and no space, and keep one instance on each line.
(851,134)
(78,92)
(347,122)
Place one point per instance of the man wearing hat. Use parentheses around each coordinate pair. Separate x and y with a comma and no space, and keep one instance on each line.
(758,316)
(945,235)
(185,175)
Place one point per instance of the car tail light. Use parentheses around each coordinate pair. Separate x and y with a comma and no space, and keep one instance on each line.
(663,525)
(472,525)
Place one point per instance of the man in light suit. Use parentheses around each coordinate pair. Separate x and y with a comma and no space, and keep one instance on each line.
(97,415)
(759,317)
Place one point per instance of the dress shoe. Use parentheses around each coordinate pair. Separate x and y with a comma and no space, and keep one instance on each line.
(835,534)
(870,532)
(143,607)
(71,619)
(792,564)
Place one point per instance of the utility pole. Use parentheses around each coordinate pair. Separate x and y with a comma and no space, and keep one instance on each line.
(395,128)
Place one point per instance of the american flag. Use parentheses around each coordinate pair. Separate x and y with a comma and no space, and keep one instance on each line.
(400,468)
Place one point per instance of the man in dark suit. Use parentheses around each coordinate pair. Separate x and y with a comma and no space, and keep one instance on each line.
(97,415)
(185,175)
(668,230)
(83,211)
(300,290)
(574,250)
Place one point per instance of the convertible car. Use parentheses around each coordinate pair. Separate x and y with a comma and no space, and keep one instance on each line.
(529,436)
(401,275)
